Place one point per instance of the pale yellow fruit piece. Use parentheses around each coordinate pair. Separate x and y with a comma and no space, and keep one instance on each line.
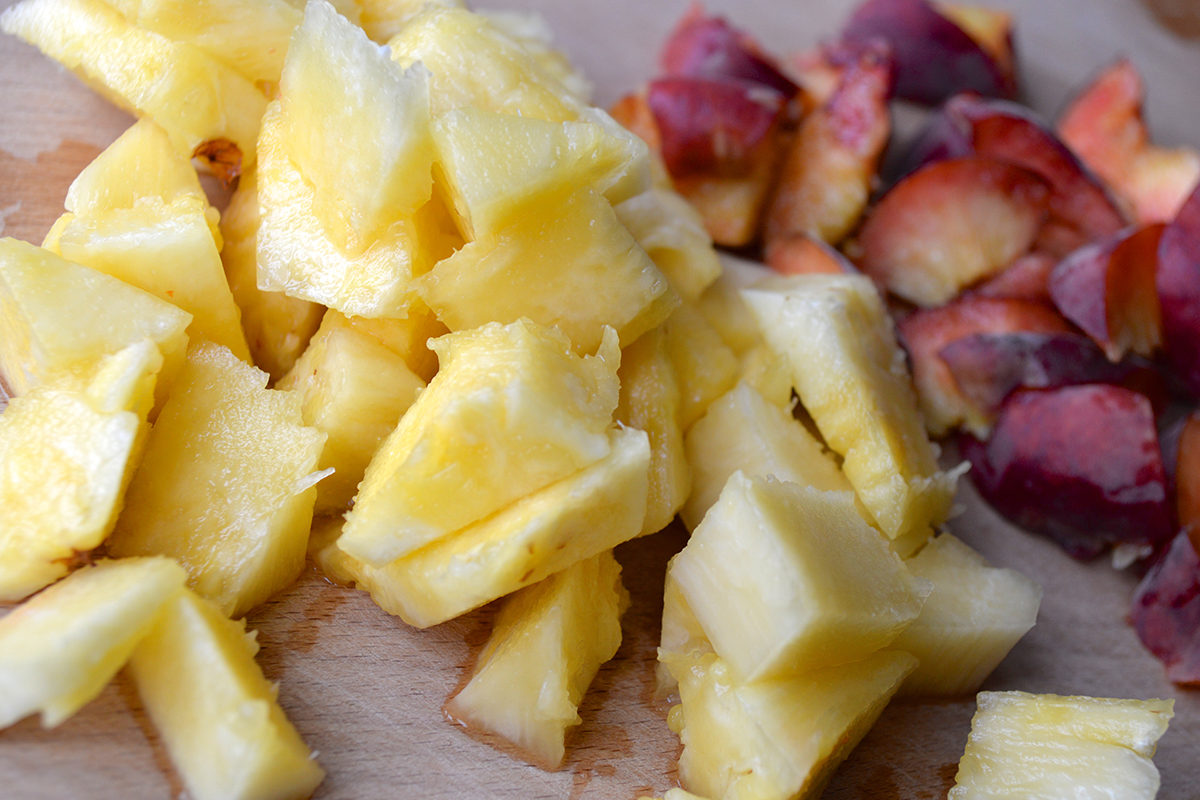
(572,265)
(383,19)
(704,366)
(971,619)
(57,316)
(722,304)
(547,644)
(676,794)
(582,515)
(742,431)
(60,649)
(681,635)
(1047,746)
(785,579)
(355,391)
(226,485)
(672,232)
(767,371)
(511,410)
(277,327)
(853,379)
(650,402)
(216,713)
(194,98)
(777,739)
(531,30)
(67,452)
(499,167)
(407,338)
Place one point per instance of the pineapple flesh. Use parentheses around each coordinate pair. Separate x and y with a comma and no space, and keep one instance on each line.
(704,366)
(407,338)
(672,233)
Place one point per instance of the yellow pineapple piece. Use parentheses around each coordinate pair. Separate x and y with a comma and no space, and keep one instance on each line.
(672,233)
(407,338)
(60,649)
(226,485)
(511,410)
(218,716)
(704,366)
(578,517)
(354,391)
(383,19)
(852,378)
(1046,747)
(530,30)
(547,644)
(67,452)
(971,619)
(767,372)
(571,265)
(194,98)
(681,635)
(722,304)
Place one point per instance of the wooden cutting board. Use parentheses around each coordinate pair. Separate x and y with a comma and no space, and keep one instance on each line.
(367,692)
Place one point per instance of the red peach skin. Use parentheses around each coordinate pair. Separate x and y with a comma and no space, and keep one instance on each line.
(1166,611)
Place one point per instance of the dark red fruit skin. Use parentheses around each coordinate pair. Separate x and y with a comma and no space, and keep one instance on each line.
(934,58)
(1080,464)
(1166,611)
(703,46)
(1178,283)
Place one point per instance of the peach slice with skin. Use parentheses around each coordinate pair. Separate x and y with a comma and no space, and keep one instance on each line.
(1187,477)
(819,70)
(1166,611)
(1178,283)
(951,224)
(799,254)
(1026,278)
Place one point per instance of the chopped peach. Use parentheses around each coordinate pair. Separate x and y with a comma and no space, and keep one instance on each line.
(1178,282)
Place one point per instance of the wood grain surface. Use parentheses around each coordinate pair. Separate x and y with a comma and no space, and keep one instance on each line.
(367,692)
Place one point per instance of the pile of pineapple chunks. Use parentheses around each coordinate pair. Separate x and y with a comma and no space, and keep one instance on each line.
(500,345)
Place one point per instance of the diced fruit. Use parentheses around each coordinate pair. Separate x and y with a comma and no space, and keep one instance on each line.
(743,431)
(226,485)
(407,338)
(1026,278)
(511,411)
(681,635)
(1185,472)
(951,224)
(971,619)
(704,46)
(723,307)
(1166,611)
(785,579)
(60,649)
(704,366)
(850,375)
(1178,283)
(532,32)
(672,233)
(582,515)
(800,254)
(547,643)
(732,207)
(383,19)
(217,714)
(1025,745)
(767,373)
(1079,464)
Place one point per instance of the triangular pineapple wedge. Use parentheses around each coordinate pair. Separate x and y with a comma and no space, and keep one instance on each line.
(408,338)
(672,233)
(704,366)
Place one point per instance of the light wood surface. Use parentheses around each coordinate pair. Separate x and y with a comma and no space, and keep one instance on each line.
(367,692)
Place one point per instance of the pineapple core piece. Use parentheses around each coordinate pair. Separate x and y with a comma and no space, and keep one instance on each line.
(226,485)
(217,714)
(1046,747)
(785,579)
(511,410)
(60,649)
(547,643)
(971,619)
(852,378)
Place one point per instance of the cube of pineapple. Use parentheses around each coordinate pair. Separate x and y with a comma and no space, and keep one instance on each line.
(532,32)
(355,391)
(742,431)
(547,644)
(226,485)
(60,649)
(583,514)
(1047,746)
(852,378)
(681,635)
(971,619)
(511,410)
(786,579)
(704,366)
(722,304)
(383,19)
(672,233)
(571,264)
(193,97)
(216,713)
(767,372)
(407,338)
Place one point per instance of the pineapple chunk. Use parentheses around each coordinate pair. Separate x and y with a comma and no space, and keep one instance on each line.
(217,714)
(355,391)
(407,338)
(767,372)
(571,264)
(584,514)
(511,411)
(533,33)
(194,98)
(66,456)
(547,644)
(672,233)
(704,366)
(971,619)
(1046,747)
(722,304)
(742,431)
(852,378)
(681,635)
(786,579)
(383,19)
(60,649)
(226,485)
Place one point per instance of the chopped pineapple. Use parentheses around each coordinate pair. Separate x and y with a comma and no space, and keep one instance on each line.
(704,366)
(673,234)
(767,372)
(217,714)
(383,19)
(681,635)
(407,338)
(60,649)
(1046,747)
(722,304)
(547,643)
(226,485)
(530,30)
(511,410)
